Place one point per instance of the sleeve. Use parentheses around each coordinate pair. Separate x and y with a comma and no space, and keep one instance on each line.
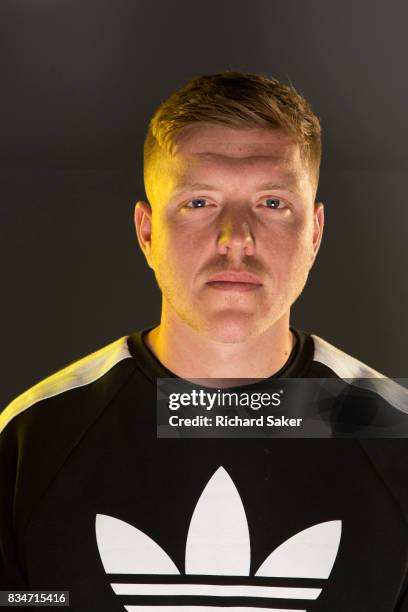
(11,573)
(390,459)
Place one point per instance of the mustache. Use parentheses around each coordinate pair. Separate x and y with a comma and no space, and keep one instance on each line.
(251,265)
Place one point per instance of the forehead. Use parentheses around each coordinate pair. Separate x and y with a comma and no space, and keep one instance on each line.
(235,152)
(219,156)
(221,141)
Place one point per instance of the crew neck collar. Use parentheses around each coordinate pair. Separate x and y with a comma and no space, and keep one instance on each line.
(296,365)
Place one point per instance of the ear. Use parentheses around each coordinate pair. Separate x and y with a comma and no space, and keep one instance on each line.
(143,225)
(318,224)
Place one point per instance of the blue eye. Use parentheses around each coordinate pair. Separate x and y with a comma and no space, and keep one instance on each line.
(198,203)
(273,202)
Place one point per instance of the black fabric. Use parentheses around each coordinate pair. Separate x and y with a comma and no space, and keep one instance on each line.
(93,450)
(299,363)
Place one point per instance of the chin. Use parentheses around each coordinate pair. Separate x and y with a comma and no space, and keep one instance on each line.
(232,330)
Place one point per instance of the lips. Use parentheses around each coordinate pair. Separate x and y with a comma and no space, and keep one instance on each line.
(235,277)
(234,281)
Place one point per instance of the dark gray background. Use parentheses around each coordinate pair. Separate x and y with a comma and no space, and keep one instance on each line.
(79,81)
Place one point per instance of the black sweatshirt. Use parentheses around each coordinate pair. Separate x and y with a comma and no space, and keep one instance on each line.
(94,503)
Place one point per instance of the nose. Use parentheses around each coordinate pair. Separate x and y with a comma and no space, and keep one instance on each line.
(235,238)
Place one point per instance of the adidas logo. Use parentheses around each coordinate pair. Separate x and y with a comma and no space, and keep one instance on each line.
(217,561)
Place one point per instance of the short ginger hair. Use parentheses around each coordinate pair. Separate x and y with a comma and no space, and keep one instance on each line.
(240,100)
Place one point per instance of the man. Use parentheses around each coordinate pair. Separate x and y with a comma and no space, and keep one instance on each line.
(95,503)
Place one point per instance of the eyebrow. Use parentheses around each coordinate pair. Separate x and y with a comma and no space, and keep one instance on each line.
(283,187)
(195,186)
(223,156)
(264,186)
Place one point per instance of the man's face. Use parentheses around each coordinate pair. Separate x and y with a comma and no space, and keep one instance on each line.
(233,229)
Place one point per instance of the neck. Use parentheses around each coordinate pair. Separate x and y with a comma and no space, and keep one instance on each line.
(189,354)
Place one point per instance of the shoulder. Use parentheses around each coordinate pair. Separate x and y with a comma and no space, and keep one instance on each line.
(341,363)
(78,374)
(330,361)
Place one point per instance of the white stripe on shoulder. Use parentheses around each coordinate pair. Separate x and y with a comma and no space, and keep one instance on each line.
(78,374)
(359,374)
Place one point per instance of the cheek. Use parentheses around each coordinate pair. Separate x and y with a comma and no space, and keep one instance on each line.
(289,244)
(176,254)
